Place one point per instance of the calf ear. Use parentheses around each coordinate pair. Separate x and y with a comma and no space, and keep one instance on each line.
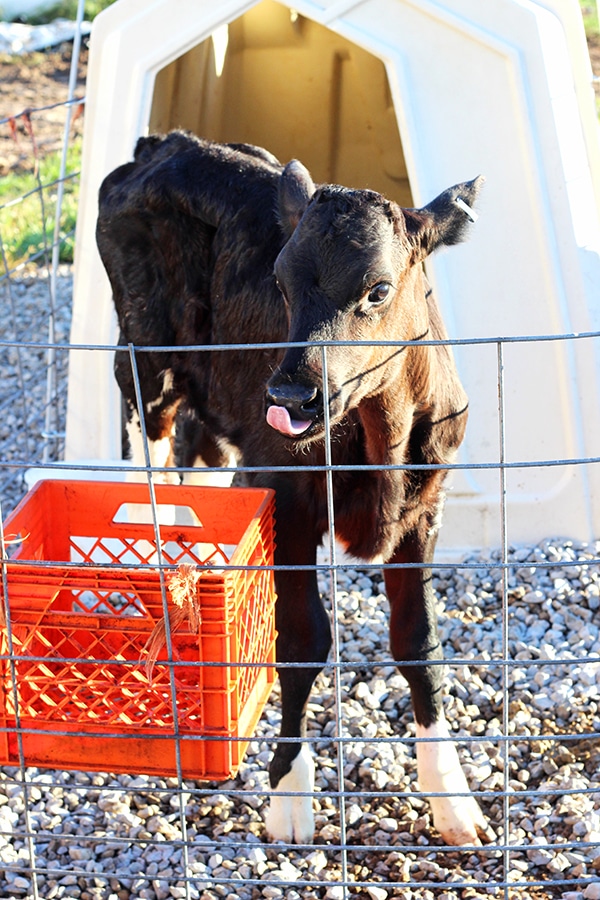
(443,221)
(295,190)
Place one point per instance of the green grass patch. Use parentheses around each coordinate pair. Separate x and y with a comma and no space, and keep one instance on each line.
(589,11)
(28,208)
(67,9)
(28,201)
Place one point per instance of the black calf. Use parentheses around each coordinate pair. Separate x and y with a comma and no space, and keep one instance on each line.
(219,244)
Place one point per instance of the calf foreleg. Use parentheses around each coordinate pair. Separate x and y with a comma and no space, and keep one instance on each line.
(414,638)
(304,636)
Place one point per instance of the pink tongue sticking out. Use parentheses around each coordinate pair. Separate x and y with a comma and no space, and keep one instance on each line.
(279,418)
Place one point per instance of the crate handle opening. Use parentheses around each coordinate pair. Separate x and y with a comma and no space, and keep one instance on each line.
(167,514)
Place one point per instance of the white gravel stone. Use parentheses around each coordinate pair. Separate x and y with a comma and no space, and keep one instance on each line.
(376,893)
(317,861)
(335,892)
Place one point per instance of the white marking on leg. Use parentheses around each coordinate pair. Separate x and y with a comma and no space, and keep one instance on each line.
(292,818)
(141,513)
(167,386)
(343,557)
(458,819)
(158,451)
(210,479)
(439,512)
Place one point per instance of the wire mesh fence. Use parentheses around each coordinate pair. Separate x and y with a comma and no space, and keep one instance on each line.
(40,148)
(519,627)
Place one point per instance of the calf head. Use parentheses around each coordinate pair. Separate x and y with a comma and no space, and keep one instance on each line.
(351,273)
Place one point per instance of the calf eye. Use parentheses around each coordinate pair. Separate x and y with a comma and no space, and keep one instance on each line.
(380,292)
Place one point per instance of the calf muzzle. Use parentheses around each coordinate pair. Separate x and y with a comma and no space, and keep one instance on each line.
(292,408)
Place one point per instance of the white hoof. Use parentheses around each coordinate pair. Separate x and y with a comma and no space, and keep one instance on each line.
(291,819)
(459,820)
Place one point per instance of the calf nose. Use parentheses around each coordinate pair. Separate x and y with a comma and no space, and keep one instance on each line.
(292,408)
(301,401)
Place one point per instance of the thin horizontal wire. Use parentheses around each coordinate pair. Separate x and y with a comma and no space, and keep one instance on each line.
(167,735)
(351,664)
(310,467)
(308,884)
(490,564)
(490,605)
(285,345)
(209,845)
(32,110)
(240,794)
(25,265)
(208,880)
(44,186)
(476,565)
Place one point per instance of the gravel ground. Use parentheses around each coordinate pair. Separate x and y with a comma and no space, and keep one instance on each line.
(112,837)
(25,306)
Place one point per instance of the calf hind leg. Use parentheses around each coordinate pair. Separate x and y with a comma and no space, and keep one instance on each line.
(414,638)
(160,403)
(199,450)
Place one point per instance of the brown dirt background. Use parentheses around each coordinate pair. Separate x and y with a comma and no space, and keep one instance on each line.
(38,82)
(594,48)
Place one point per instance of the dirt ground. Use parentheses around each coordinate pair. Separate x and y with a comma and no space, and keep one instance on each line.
(37,82)
(40,80)
(594,48)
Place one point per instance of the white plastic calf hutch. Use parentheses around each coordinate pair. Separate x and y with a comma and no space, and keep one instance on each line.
(406,97)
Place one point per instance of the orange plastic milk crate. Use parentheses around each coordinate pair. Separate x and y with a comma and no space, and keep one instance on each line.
(87,584)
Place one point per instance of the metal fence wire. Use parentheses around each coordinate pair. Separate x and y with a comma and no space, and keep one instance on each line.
(519,627)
